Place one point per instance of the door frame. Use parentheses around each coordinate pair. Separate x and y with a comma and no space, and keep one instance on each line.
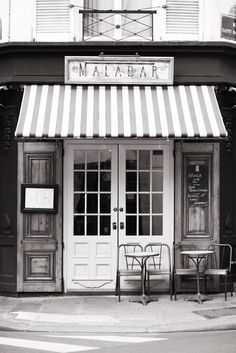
(118,142)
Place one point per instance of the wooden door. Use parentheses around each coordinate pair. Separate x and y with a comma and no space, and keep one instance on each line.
(196,196)
(39,234)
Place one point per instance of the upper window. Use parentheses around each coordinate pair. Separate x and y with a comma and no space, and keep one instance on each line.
(117,20)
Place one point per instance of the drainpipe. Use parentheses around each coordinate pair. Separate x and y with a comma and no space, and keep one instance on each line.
(9,20)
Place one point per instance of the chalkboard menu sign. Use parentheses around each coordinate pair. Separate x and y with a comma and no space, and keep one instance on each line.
(197,185)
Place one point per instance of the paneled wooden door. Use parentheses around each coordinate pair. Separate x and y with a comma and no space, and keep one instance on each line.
(90,228)
(113,194)
(39,255)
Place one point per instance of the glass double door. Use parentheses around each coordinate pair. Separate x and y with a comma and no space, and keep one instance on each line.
(113,194)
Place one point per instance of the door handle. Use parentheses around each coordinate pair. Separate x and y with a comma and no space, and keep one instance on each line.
(122,225)
(114,225)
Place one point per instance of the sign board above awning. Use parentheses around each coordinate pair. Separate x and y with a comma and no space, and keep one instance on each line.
(123,70)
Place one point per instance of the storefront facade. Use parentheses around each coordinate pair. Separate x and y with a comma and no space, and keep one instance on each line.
(125,162)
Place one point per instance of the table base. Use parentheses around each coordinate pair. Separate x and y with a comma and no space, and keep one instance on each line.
(198,298)
(143,299)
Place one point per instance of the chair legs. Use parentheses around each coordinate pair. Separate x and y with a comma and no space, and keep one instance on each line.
(175,286)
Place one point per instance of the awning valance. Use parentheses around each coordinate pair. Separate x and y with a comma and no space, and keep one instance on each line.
(64,111)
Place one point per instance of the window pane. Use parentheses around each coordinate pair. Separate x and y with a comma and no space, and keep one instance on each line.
(144,160)
(92,203)
(131,181)
(78,225)
(79,159)
(78,181)
(92,225)
(144,181)
(105,203)
(157,159)
(131,225)
(144,225)
(131,160)
(157,181)
(92,181)
(79,201)
(105,159)
(157,225)
(144,203)
(157,203)
(131,203)
(92,159)
(105,181)
(105,225)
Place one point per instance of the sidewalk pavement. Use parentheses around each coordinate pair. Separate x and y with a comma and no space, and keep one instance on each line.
(103,314)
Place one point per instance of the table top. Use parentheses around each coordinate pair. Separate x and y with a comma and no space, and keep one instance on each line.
(197,252)
(142,254)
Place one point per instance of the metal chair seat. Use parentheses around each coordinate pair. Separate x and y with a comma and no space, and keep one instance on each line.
(220,272)
(185,271)
(130,272)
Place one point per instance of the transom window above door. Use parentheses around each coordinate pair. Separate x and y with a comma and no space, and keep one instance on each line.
(118,19)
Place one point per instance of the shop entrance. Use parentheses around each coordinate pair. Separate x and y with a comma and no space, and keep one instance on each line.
(113,194)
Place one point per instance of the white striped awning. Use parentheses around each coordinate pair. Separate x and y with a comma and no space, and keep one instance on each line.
(64,111)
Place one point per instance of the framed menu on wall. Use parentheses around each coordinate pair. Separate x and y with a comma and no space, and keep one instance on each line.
(39,198)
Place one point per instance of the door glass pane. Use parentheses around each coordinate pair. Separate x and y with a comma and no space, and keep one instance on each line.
(144,225)
(105,203)
(131,160)
(92,203)
(105,225)
(157,203)
(105,181)
(92,181)
(131,225)
(105,159)
(144,203)
(144,181)
(157,181)
(79,178)
(157,225)
(78,225)
(144,160)
(92,225)
(79,203)
(92,159)
(131,203)
(79,159)
(157,159)
(131,181)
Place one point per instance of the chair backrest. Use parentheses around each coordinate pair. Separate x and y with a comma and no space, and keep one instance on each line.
(181,261)
(128,263)
(163,259)
(221,258)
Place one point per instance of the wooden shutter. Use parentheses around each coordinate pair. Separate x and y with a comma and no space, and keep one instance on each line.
(182,18)
(52,17)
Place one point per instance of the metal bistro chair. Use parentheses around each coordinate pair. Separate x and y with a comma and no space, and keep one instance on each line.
(219,264)
(127,266)
(181,263)
(159,265)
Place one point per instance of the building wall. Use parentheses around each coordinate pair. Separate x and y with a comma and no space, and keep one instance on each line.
(22,23)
